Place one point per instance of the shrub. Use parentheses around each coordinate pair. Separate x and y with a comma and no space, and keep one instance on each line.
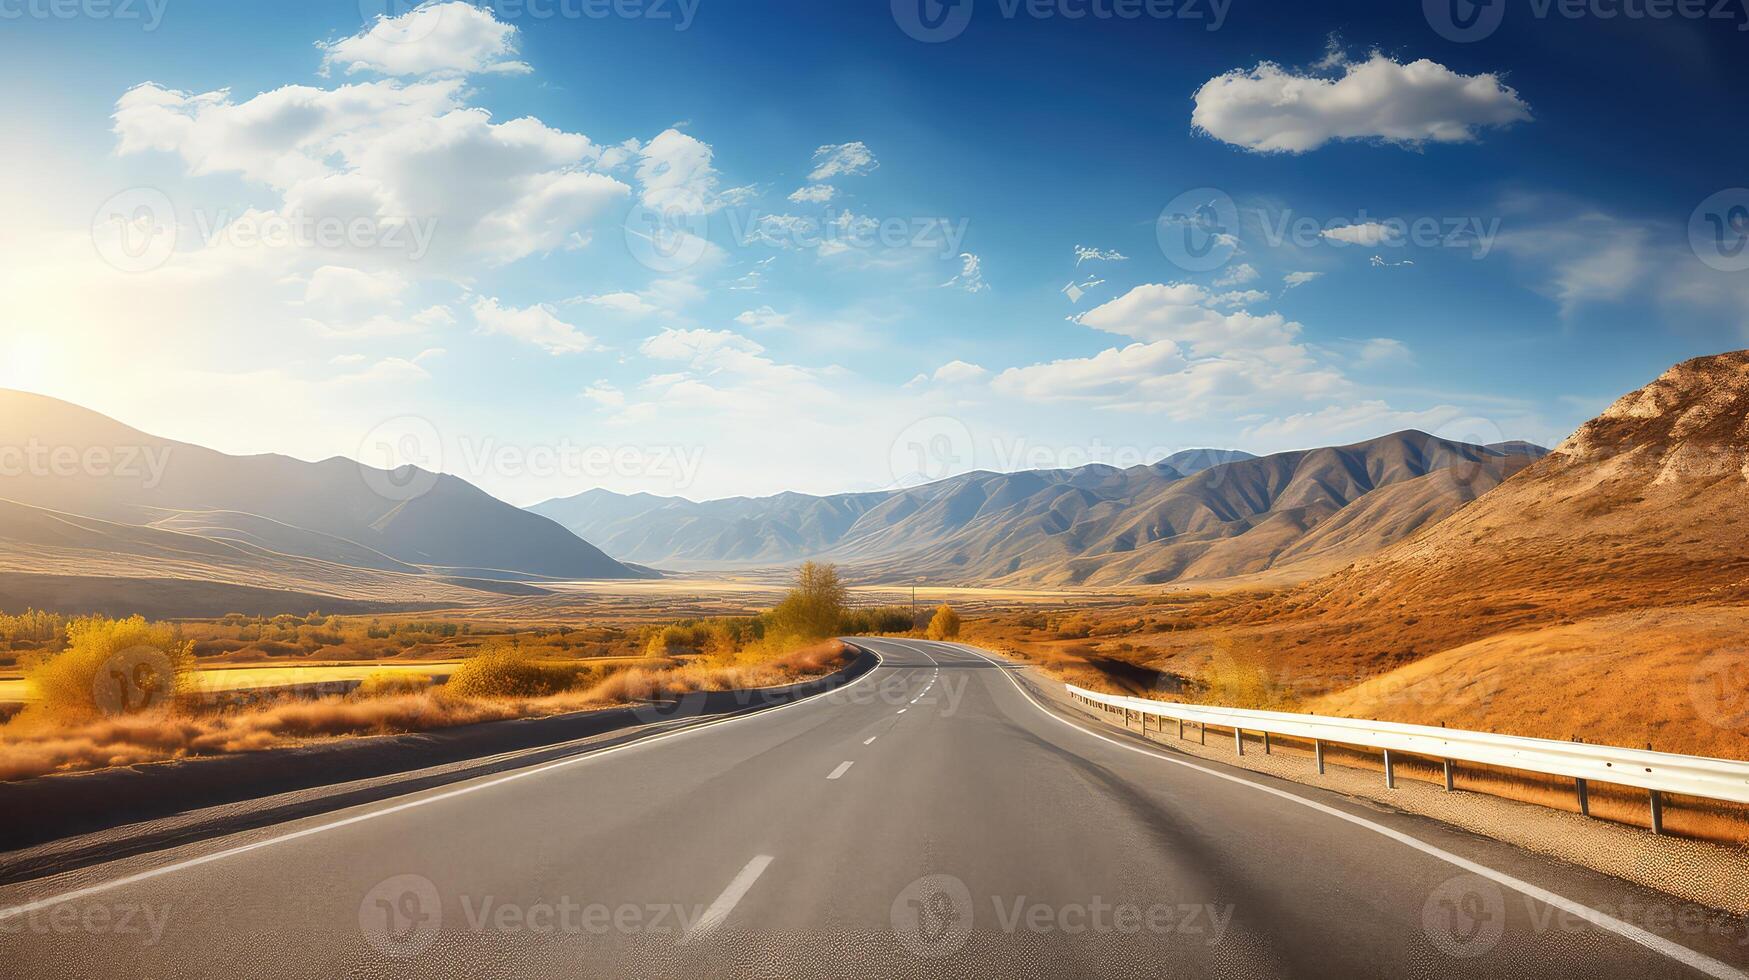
(110,666)
(500,671)
(885,619)
(387,683)
(1236,678)
(945,625)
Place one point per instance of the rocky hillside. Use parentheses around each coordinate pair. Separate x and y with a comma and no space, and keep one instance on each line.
(1644,509)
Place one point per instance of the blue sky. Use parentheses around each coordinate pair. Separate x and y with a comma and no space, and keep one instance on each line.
(1484,237)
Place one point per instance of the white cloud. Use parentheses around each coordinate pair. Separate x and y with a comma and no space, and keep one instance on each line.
(388,371)
(842,160)
(537,325)
(623,303)
(1112,373)
(1193,361)
(1293,279)
(958,372)
(396,157)
(971,275)
(699,346)
(677,173)
(1364,233)
(434,38)
(814,194)
(1592,256)
(1238,275)
(1273,110)
(1340,424)
(1238,297)
(1382,352)
(1378,262)
(605,395)
(1177,311)
(764,318)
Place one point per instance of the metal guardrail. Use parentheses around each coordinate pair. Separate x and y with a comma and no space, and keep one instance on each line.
(1655,772)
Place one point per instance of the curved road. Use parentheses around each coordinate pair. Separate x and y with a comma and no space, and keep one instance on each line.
(931,819)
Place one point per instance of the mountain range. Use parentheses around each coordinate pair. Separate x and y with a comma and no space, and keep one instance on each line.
(84,496)
(1199,515)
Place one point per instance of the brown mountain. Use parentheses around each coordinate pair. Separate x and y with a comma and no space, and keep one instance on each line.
(1203,515)
(1580,597)
(77,478)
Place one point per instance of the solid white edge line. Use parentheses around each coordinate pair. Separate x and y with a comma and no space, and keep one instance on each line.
(1681,954)
(843,767)
(104,886)
(731,897)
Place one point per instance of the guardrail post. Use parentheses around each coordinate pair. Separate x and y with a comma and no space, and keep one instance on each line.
(1266,743)
(1202,732)
(1390,771)
(1448,774)
(1657,812)
(1181,729)
(1239,740)
(1318,754)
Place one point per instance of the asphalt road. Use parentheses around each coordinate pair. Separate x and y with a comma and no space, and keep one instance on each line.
(931,819)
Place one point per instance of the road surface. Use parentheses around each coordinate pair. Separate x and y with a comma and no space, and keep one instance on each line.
(932,819)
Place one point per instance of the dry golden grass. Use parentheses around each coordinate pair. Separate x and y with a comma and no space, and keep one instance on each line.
(38,744)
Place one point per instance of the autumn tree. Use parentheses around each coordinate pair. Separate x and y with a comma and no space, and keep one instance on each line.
(945,624)
(814,607)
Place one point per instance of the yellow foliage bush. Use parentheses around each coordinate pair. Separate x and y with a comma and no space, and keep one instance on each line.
(110,666)
(945,624)
(500,671)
